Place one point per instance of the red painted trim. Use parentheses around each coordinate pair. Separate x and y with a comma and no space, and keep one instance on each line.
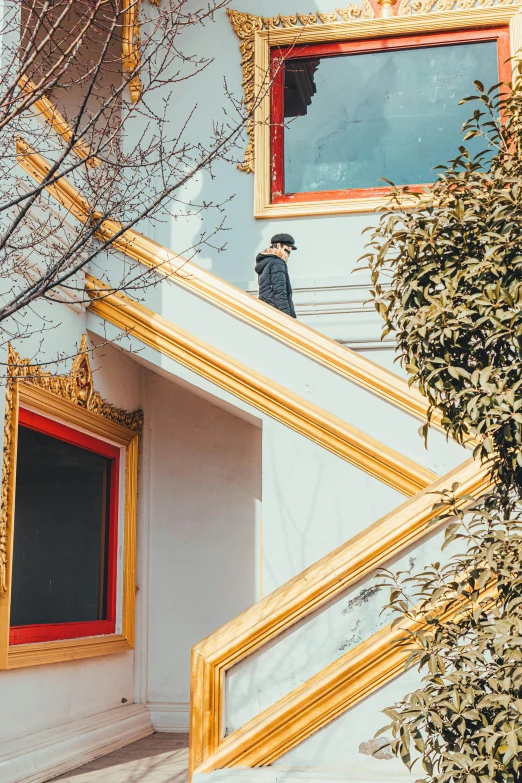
(30,634)
(35,421)
(278,55)
(25,634)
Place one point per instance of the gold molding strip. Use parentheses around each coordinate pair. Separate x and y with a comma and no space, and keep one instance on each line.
(323,428)
(72,399)
(298,598)
(22,655)
(58,122)
(130,45)
(345,362)
(321,699)
(314,704)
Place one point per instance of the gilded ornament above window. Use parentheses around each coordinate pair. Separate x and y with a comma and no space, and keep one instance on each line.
(77,388)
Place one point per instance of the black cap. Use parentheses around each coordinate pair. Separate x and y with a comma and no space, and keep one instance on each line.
(283,239)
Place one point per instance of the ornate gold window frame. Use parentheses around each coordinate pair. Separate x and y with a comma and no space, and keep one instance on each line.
(72,400)
(259,34)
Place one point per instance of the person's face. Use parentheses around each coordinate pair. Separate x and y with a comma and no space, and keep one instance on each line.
(286,251)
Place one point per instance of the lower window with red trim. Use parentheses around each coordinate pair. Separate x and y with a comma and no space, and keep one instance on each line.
(65,543)
(347,115)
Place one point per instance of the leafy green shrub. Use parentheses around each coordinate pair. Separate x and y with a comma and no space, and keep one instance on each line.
(448,281)
(465,722)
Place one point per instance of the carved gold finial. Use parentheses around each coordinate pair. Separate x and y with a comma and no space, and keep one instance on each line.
(131,44)
(386,8)
(78,388)
(81,375)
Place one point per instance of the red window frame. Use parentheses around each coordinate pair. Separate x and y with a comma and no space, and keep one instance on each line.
(24,634)
(277,124)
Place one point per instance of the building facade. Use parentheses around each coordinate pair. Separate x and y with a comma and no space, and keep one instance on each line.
(197,502)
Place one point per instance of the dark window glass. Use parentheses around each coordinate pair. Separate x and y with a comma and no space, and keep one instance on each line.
(60,533)
(356,118)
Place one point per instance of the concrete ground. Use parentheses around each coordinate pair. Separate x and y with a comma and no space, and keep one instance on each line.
(160,758)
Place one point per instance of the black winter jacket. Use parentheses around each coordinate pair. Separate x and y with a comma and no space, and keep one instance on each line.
(274,282)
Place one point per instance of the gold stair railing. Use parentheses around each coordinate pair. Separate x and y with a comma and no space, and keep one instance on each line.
(342,684)
(329,431)
(298,336)
(324,697)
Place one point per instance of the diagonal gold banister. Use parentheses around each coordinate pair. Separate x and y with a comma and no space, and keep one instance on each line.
(298,336)
(357,673)
(324,697)
(310,420)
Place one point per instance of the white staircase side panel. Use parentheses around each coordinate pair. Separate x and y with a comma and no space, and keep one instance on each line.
(318,640)
(337,746)
(313,501)
(301,375)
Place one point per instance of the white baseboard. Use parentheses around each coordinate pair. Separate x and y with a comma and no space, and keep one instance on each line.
(169,716)
(46,754)
(281,774)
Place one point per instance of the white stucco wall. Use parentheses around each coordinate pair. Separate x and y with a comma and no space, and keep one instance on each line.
(205,494)
(41,697)
(313,501)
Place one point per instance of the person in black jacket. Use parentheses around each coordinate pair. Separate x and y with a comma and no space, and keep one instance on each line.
(273,277)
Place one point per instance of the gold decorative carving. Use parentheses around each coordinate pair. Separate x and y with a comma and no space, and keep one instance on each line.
(412,7)
(6,484)
(77,388)
(245,27)
(131,44)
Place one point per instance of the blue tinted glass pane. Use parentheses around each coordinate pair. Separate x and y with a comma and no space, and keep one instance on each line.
(353,119)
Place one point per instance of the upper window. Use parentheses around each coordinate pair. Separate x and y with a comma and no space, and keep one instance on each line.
(345,116)
(65,541)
